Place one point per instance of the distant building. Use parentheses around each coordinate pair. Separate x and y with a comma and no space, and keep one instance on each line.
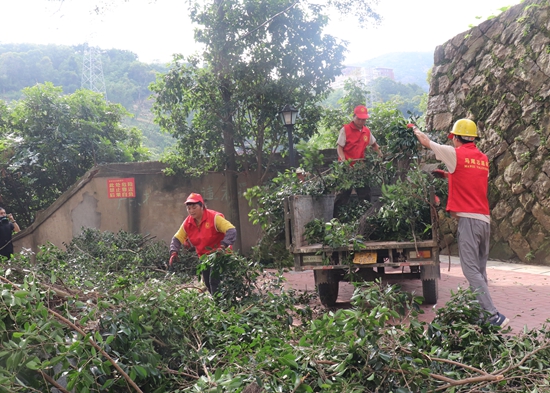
(365,75)
(384,73)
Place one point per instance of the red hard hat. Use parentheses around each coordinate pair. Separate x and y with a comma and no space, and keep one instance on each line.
(361,112)
(194,198)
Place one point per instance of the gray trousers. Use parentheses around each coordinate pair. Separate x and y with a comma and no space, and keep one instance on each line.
(473,250)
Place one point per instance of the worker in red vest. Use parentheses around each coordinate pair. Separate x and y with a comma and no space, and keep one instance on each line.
(204,230)
(352,143)
(355,137)
(468,175)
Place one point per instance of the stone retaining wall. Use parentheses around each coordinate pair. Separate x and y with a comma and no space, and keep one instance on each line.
(498,74)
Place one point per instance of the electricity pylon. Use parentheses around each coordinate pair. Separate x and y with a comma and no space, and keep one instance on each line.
(92,71)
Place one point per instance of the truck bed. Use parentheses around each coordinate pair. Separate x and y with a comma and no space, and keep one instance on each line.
(368,245)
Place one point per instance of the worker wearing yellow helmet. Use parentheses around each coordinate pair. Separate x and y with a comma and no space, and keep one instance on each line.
(468,174)
(465,128)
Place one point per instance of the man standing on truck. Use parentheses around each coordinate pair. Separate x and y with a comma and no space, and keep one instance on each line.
(351,145)
(355,137)
(205,231)
(468,175)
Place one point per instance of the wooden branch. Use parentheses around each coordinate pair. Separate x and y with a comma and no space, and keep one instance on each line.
(126,250)
(462,365)
(484,377)
(466,381)
(300,384)
(523,360)
(92,342)
(58,292)
(96,346)
(7,281)
(174,372)
(329,362)
(181,287)
(268,21)
(453,362)
(53,382)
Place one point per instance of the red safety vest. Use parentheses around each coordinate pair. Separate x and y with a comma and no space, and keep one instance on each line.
(469,182)
(356,142)
(205,237)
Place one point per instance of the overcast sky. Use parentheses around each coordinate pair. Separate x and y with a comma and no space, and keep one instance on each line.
(156,30)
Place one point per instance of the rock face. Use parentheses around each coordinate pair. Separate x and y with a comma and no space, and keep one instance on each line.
(498,74)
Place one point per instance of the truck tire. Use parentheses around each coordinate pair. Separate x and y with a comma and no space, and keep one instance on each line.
(327,283)
(430,291)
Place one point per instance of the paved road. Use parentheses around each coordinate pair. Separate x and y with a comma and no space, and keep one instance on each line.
(521,292)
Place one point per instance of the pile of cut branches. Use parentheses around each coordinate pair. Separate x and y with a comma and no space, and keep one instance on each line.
(166,334)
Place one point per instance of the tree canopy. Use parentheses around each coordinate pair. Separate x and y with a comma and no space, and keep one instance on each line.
(408,96)
(48,140)
(222,105)
(258,57)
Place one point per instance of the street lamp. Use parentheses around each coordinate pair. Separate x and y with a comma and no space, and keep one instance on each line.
(289,114)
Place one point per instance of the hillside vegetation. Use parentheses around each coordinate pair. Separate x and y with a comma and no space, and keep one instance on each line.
(126,80)
(408,67)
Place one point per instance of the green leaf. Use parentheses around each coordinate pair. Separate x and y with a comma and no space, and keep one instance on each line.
(33,365)
(141,371)
(21,293)
(289,360)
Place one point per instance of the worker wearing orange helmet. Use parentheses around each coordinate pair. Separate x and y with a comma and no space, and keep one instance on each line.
(468,174)
(206,231)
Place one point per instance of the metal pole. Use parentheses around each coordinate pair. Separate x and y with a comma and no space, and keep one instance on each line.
(290,128)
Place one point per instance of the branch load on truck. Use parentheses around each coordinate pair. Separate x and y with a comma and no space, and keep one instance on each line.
(362,259)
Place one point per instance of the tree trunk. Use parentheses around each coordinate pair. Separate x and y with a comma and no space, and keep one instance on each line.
(231,174)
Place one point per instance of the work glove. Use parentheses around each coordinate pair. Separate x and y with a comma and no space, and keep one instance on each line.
(224,249)
(173,259)
(440,174)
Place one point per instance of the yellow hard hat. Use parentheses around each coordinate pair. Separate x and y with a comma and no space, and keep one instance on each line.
(465,128)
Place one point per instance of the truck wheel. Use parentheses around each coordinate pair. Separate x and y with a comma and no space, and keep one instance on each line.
(327,283)
(430,291)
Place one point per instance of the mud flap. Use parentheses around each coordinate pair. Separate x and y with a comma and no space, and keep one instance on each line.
(327,283)
(430,275)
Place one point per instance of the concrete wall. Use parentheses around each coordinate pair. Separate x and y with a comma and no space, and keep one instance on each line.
(158,208)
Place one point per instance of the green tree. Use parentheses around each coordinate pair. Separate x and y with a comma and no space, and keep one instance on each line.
(336,114)
(126,79)
(408,96)
(223,105)
(49,140)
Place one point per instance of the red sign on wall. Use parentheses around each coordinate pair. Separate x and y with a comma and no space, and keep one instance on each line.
(121,188)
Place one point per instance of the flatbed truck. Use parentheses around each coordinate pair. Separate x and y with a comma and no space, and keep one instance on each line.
(416,259)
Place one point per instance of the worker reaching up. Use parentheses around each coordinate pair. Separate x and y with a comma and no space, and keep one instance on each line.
(206,231)
(468,175)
